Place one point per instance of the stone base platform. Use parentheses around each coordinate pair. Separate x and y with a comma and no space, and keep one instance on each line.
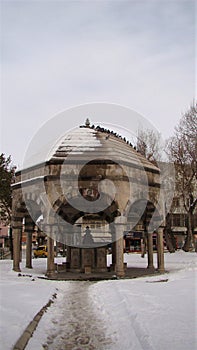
(132,272)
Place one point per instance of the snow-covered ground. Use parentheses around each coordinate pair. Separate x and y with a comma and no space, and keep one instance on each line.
(157,312)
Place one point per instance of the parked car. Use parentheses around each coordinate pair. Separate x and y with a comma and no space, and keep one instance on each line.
(40,252)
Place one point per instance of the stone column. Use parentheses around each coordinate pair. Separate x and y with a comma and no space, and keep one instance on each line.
(160,250)
(113,264)
(50,257)
(119,228)
(113,246)
(150,250)
(64,250)
(76,232)
(16,232)
(70,241)
(68,255)
(119,258)
(29,228)
(29,250)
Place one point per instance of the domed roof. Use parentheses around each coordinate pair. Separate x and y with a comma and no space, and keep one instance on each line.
(86,143)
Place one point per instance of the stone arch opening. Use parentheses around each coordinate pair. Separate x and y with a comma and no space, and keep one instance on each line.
(71,214)
(143,215)
(143,221)
(25,215)
(71,222)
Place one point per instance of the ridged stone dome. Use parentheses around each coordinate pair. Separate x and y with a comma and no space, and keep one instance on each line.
(86,142)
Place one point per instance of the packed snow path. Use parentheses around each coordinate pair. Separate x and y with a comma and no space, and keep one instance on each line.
(75,325)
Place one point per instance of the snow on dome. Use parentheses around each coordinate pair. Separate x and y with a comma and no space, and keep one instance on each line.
(77,141)
(86,140)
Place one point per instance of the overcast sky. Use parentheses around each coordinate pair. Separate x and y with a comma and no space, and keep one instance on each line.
(58,54)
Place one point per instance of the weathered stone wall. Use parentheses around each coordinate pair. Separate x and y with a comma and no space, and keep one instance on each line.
(47,184)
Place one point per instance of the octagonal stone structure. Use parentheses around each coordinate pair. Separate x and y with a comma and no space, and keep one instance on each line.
(92,177)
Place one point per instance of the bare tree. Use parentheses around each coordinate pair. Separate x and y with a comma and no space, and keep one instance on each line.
(149,145)
(182,149)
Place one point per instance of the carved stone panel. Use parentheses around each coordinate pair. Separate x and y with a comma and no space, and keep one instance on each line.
(75,258)
(101,259)
(87,257)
